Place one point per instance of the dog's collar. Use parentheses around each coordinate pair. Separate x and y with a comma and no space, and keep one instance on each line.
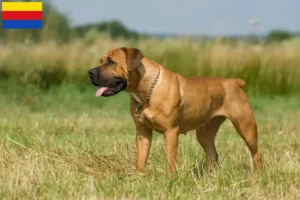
(137,104)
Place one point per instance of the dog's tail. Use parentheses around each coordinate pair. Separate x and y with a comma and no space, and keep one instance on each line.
(240,82)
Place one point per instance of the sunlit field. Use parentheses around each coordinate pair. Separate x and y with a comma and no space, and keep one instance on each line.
(58,141)
(271,69)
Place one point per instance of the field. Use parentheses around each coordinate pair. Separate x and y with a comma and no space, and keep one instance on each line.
(58,141)
(268,69)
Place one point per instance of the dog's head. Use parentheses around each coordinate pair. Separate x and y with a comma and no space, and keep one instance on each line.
(113,74)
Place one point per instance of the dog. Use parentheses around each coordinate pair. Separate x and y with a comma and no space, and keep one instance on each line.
(172,104)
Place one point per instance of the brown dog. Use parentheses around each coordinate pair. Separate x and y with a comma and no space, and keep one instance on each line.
(171,104)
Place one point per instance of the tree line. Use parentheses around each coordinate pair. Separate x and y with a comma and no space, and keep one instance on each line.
(56,27)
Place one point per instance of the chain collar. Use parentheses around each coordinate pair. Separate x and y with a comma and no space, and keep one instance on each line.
(137,104)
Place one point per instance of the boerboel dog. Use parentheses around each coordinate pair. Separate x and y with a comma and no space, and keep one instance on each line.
(170,103)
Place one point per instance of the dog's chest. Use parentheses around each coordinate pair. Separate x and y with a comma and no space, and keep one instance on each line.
(151,119)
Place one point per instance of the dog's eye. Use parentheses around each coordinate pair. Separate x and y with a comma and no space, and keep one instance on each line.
(110,61)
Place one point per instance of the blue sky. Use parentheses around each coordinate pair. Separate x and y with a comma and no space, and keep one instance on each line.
(222,17)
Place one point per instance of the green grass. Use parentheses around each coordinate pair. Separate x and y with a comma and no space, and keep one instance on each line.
(271,69)
(64,143)
(58,141)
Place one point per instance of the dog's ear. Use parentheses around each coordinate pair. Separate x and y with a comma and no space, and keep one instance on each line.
(133,57)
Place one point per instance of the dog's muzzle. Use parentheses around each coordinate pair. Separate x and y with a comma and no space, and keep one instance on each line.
(106,87)
(94,76)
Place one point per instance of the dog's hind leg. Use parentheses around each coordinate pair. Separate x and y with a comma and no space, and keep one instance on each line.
(246,127)
(239,112)
(206,137)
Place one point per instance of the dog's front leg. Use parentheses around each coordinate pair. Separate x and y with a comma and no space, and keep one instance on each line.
(143,144)
(171,147)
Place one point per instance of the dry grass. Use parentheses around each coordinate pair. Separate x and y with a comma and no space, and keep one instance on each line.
(63,143)
(270,69)
(67,144)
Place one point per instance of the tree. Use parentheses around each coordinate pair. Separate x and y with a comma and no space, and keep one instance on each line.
(278,36)
(115,29)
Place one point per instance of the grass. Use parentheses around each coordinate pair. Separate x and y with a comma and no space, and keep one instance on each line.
(58,141)
(271,69)
(64,143)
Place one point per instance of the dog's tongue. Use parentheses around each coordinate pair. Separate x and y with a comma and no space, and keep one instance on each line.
(100,91)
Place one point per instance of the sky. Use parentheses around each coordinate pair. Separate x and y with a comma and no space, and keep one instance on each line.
(191,17)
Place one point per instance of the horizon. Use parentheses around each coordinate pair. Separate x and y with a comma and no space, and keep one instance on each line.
(190,17)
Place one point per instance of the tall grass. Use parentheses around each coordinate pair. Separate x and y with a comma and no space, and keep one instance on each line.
(267,69)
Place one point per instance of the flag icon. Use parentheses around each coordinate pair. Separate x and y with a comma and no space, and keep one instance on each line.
(22,15)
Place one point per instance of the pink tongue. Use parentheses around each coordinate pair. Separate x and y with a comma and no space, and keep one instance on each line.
(100,91)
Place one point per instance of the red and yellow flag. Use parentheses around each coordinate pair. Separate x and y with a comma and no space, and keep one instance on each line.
(22,15)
